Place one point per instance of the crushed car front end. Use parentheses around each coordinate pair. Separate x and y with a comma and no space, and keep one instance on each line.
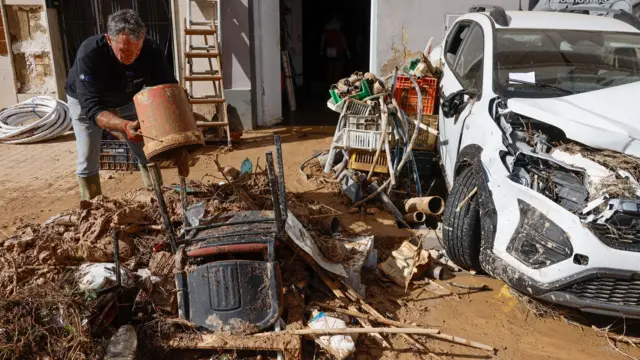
(567,224)
(561,168)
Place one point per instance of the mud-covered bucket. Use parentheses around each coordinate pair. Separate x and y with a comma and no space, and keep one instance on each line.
(167,122)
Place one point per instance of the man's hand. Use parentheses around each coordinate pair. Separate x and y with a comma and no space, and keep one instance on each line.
(131,129)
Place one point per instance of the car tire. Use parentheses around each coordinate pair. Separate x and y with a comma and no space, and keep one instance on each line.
(461,231)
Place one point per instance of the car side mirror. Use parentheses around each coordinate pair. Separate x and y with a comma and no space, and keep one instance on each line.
(454,103)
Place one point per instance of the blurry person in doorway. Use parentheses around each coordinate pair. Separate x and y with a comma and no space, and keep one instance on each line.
(109,69)
(334,49)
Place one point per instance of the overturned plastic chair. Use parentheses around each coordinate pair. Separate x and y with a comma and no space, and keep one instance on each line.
(241,294)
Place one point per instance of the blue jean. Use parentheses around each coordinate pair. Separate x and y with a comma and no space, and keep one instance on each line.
(88,136)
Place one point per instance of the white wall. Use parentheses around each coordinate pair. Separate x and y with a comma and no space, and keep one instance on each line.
(401,28)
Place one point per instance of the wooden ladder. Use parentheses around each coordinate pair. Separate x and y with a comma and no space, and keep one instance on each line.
(212,73)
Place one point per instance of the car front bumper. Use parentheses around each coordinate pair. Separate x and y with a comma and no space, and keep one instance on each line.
(608,283)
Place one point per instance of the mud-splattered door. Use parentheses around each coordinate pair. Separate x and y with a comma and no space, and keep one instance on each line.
(80,19)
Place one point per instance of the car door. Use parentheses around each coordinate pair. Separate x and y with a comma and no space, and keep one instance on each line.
(463,65)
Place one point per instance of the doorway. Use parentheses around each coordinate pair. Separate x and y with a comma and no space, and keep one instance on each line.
(305,24)
(80,19)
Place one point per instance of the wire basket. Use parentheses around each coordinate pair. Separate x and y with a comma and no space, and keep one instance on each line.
(116,155)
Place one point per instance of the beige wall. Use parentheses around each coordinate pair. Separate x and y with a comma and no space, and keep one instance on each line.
(8,89)
(30,66)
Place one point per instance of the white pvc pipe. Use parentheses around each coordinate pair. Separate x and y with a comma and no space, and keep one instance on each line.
(52,121)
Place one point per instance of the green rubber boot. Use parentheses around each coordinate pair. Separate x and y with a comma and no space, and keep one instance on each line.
(89,187)
(146,176)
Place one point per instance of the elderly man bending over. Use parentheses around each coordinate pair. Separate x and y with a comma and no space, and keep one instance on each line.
(108,71)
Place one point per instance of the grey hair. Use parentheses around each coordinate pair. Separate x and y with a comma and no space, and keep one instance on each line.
(126,21)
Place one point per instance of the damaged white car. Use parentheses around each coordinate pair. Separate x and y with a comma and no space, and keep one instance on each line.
(539,136)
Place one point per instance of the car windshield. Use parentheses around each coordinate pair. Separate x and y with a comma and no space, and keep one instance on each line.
(548,62)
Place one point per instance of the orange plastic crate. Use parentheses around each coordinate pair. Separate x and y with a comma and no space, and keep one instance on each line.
(407,97)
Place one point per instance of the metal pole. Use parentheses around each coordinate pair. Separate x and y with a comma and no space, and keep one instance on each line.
(163,207)
(116,258)
(183,201)
(274,193)
(283,188)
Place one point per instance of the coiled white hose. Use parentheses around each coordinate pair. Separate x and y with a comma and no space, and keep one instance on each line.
(17,125)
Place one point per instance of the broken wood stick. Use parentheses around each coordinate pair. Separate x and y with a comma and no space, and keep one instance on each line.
(415,331)
(466,200)
(381,320)
(346,331)
(469,287)
(239,192)
(463,341)
(360,315)
(334,286)
(447,290)
(356,298)
(424,127)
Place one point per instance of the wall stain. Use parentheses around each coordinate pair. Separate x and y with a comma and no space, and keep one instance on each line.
(30,47)
(400,55)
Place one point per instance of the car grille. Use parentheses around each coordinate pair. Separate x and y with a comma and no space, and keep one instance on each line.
(625,238)
(608,290)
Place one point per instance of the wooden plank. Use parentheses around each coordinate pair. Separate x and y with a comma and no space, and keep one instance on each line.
(207,101)
(200,31)
(202,78)
(211,123)
(192,54)
(290,345)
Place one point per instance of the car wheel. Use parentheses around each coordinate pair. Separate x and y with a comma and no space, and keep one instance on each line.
(461,229)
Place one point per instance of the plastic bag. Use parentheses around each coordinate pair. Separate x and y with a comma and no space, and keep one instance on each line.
(340,346)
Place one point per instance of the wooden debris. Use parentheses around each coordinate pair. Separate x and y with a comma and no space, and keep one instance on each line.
(469,287)
(405,263)
(242,194)
(360,315)
(466,200)
(346,331)
(290,344)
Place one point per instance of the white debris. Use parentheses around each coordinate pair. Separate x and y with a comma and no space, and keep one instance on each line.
(594,204)
(340,346)
(595,171)
(100,276)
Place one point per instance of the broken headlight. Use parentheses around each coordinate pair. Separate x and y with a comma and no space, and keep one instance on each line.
(538,241)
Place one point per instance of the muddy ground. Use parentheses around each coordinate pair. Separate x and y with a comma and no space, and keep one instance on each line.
(495,317)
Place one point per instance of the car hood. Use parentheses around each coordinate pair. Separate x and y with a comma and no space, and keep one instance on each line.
(603,119)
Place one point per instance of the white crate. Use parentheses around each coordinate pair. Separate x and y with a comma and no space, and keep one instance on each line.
(361,139)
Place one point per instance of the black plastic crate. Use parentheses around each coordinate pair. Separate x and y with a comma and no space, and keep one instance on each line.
(426,162)
(117,156)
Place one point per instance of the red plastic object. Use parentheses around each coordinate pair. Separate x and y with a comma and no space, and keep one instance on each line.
(407,97)
(159,247)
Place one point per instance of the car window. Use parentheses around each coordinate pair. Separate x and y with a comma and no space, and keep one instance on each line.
(454,42)
(559,62)
(468,66)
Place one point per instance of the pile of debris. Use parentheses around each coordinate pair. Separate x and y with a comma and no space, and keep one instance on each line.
(52,275)
(72,283)
(384,144)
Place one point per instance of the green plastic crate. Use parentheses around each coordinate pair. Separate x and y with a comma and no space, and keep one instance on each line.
(363,94)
